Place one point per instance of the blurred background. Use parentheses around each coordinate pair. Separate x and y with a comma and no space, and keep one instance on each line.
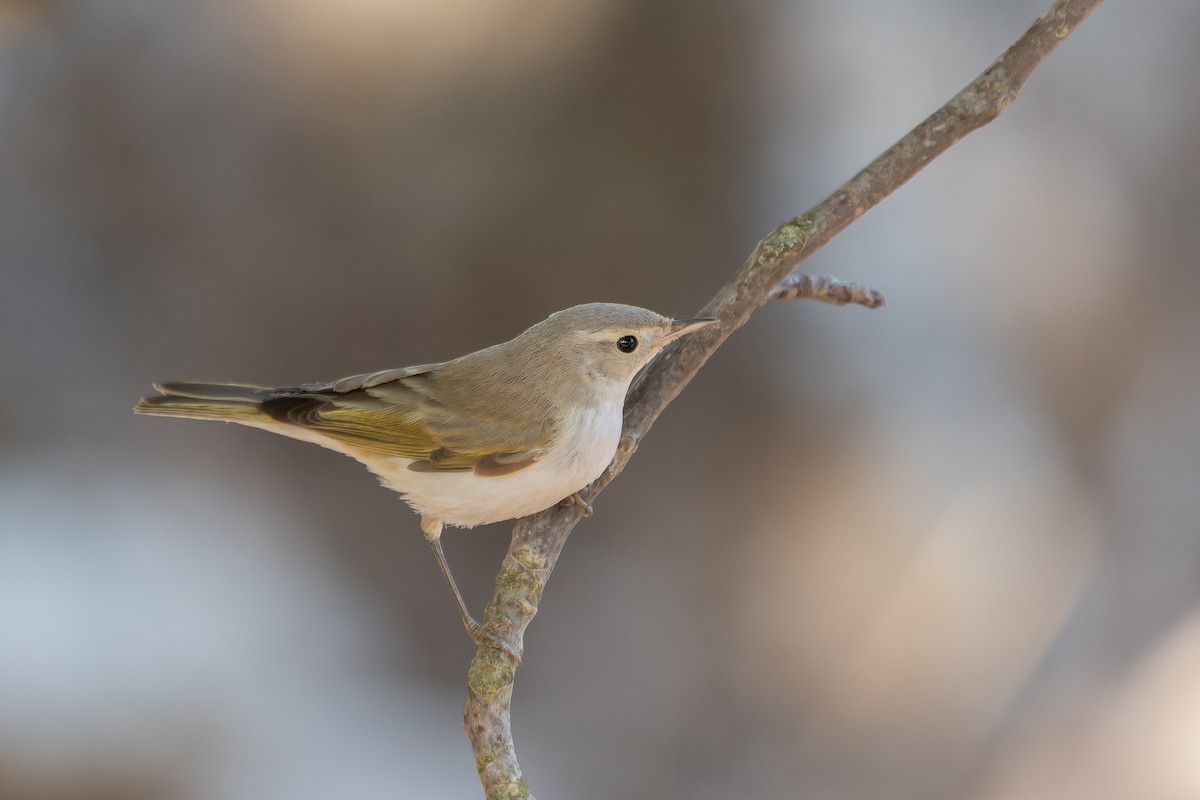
(948,549)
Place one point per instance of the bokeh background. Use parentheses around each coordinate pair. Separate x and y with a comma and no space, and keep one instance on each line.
(949,549)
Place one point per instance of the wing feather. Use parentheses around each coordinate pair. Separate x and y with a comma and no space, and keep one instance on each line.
(394,413)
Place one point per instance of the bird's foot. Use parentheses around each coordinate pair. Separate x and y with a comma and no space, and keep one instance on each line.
(576,500)
(485,638)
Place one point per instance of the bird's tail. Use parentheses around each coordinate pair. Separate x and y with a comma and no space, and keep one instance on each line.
(231,402)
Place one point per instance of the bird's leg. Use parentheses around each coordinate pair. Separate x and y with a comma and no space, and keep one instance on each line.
(433,534)
(577,500)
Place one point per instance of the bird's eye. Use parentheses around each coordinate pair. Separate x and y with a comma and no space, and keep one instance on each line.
(627,344)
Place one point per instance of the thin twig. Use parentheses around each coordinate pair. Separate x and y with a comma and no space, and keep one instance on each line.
(537,540)
(827,289)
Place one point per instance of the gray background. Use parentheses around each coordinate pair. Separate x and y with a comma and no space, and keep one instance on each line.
(949,549)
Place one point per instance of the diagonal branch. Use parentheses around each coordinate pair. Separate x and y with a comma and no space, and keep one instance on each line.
(537,540)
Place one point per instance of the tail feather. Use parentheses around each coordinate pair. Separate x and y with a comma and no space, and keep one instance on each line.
(224,401)
(214,391)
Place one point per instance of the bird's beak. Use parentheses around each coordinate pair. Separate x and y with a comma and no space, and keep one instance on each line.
(682,327)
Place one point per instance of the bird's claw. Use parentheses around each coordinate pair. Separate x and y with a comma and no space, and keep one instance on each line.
(485,639)
(576,500)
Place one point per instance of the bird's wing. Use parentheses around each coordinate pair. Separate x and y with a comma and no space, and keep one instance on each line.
(392,413)
(371,379)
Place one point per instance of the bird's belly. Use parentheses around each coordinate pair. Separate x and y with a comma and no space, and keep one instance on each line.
(466,499)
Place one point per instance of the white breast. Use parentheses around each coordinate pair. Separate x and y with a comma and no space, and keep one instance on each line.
(586,446)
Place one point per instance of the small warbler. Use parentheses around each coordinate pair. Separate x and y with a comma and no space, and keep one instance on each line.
(500,433)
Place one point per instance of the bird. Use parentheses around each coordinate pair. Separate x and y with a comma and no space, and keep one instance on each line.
(497,434)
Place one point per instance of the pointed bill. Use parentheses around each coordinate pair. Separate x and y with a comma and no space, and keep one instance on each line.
(682,327)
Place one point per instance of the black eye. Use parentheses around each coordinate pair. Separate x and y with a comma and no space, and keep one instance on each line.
(627,344)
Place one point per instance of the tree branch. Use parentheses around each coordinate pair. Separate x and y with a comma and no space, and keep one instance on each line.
(538,540)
